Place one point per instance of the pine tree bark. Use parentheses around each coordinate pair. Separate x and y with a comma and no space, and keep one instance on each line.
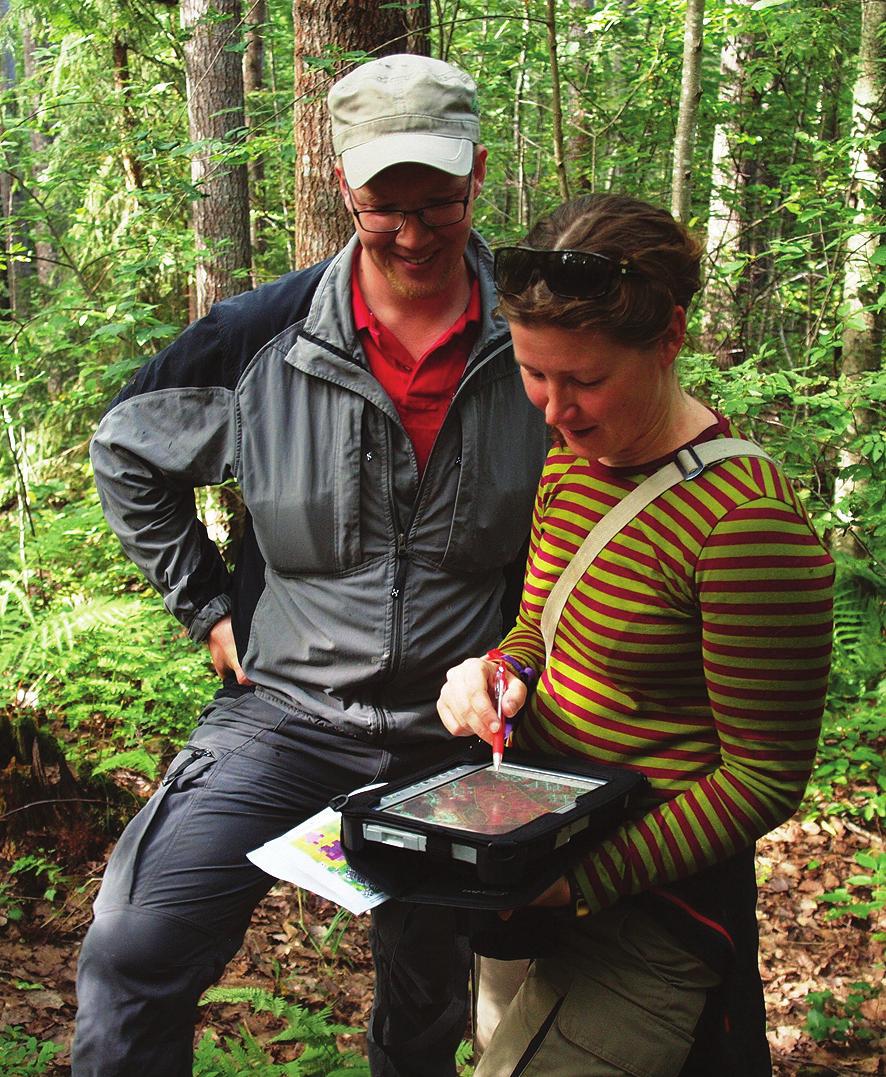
(323,28)
(220,216)
(687,118)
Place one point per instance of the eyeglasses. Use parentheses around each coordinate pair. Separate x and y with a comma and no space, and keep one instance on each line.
(568,274)
(438,215)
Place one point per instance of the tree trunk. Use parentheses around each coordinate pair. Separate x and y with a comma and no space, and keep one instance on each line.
(556,102)
(132,170)
(220,216)
(253,83)
(322,29)
(16,239)
(863,331)
(687,118)
(517,201)
(44,252)
(722,316)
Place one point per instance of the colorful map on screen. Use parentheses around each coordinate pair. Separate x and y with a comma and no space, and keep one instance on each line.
(487,802)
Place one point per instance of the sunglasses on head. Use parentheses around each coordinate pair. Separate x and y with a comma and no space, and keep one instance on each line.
(568,274)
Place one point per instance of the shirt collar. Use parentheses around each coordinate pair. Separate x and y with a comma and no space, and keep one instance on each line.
(365,320)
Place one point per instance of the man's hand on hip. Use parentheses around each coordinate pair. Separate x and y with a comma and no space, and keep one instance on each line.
(223,650)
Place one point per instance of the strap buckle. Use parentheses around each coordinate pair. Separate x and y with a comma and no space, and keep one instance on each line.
(689,462)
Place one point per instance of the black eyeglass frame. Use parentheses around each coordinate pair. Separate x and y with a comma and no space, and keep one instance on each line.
(404,213)
(546,264)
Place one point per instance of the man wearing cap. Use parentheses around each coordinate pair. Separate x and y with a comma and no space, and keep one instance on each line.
(371,411)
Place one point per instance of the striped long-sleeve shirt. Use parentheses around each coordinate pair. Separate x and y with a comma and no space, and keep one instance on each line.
(696,649)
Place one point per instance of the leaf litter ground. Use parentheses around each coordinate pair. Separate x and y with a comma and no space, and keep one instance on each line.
(296,948)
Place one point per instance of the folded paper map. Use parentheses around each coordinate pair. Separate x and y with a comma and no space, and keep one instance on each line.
(310,855)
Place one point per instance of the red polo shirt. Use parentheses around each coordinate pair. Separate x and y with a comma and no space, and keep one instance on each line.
(422,388)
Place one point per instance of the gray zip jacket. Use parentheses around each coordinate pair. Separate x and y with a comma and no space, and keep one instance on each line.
(375,581)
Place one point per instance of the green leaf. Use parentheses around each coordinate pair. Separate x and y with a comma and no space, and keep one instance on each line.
(136,759)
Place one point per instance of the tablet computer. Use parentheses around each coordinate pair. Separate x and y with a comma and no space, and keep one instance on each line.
(489,829)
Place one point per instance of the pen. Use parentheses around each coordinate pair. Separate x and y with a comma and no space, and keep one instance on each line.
(498,739)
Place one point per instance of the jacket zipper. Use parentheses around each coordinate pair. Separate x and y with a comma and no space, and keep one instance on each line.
(402,554)
(400,574)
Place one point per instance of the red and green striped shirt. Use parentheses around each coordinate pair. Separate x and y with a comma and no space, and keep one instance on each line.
(695,649)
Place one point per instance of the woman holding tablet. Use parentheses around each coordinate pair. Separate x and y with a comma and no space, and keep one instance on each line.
(694,647)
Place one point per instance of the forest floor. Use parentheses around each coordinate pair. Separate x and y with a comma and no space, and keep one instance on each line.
(288,950)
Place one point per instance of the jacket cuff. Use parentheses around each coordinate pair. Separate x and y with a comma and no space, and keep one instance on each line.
(212,612)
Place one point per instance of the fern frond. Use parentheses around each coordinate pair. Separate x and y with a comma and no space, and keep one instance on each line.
(259,998)
(464,1053)
(58,630)
(305,1026)
(136,759)
(12,592)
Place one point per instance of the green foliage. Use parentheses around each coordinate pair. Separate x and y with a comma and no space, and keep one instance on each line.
(80,638)
(10,903)
(863,894)
(83,644)
(320,1057)
(840,1020)
(23,1055)
(329,943)
(50,876)
(136,759)
(116,665)
(850,755)
(463,1056)
(859,632)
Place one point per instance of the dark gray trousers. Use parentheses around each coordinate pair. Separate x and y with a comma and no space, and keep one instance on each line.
(178,895)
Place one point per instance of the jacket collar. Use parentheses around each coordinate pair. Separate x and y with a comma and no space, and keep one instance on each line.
(328,344)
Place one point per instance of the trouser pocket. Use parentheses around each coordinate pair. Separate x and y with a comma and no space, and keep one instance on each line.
(621,1032)
(186,768)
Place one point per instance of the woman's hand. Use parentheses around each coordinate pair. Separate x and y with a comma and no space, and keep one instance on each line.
(466,705)
(557,896)
(223,650)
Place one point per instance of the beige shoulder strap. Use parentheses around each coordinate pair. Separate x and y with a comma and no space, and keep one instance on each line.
(688,464)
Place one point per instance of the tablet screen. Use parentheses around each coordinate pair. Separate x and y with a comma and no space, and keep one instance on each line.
(486,801)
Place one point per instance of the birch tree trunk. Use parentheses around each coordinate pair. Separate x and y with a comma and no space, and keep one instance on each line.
(517,199)
(220,216)
(863,334)
(321,28)
(722,316)
(687,117)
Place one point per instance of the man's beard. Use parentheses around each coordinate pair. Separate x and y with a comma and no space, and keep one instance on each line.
(427,289)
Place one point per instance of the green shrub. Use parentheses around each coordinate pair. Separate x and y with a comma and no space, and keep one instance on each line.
(321,1056)
(22,1055)
(840,1020)
(862,894)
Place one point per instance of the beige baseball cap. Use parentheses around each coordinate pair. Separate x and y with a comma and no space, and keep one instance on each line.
(404,108)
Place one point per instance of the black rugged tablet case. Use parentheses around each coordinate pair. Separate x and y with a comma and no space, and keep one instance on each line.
(510,869)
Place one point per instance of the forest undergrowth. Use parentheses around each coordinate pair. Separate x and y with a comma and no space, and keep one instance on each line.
(105,688)
(825,1015)
(296,999)
(99,687)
